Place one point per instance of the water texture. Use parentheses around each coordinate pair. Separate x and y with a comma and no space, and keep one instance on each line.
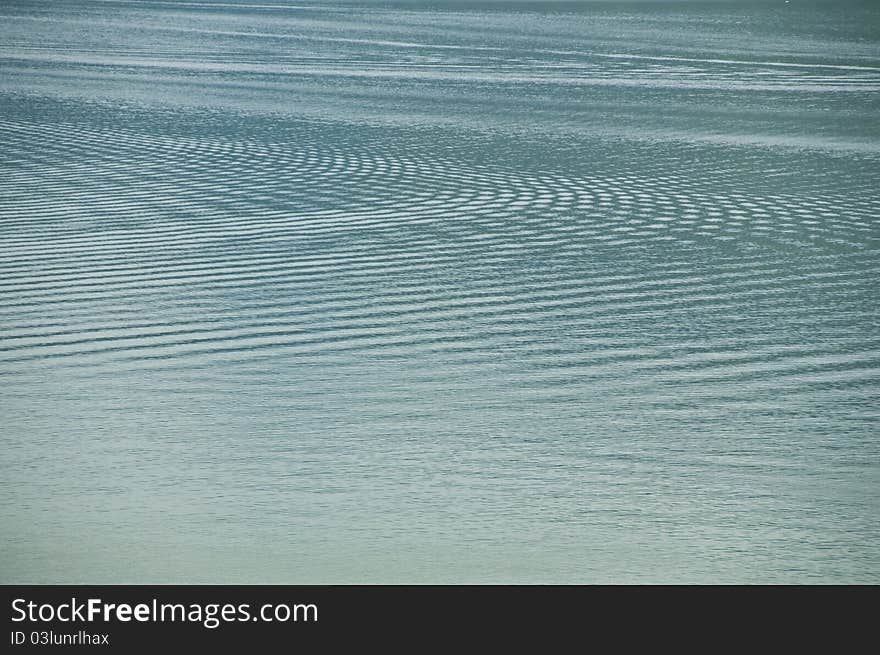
(439,292)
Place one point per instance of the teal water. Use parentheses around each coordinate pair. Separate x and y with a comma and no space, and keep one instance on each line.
(438,292)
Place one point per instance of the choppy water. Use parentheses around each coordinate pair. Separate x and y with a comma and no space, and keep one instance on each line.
(508,292)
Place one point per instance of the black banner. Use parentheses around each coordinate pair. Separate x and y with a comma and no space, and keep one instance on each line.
(149,618)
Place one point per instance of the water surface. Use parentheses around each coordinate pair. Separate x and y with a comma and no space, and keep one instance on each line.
(438,292)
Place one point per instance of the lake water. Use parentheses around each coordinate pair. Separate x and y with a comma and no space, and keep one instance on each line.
(439,292)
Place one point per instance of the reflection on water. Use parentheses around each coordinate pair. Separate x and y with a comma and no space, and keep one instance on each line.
(450,293)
